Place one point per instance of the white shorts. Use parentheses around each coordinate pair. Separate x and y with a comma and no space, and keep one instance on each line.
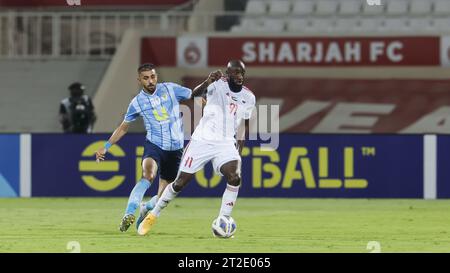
(197,153)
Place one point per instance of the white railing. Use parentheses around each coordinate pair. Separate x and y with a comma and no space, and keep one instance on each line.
(76,34)
(87,34)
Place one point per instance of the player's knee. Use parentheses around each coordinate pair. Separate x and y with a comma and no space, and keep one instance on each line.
(234,179)
(178,185)
(181,181)
(149,176)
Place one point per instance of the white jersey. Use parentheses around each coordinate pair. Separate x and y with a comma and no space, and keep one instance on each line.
(223,112)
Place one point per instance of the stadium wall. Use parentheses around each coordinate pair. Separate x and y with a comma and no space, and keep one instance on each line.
(303,166)
(31,91)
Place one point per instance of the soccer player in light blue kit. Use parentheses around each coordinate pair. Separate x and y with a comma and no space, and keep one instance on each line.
(158,105)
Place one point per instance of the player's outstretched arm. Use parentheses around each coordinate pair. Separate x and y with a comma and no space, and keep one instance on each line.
(200,89)
(115,137)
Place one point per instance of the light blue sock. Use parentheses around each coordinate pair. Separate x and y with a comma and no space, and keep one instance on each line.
(151,204)
(136,195)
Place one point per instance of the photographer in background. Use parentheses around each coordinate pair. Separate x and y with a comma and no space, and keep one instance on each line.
(76,113)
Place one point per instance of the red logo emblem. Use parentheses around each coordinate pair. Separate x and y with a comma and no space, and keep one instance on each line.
(192,54)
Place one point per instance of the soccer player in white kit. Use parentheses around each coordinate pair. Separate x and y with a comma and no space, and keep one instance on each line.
(218,138)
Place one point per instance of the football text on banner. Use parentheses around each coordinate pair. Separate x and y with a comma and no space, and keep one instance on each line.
(361,166)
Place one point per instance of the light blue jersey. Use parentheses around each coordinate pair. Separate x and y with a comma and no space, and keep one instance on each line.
(161,114)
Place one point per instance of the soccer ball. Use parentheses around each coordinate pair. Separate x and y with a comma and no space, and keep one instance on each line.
(223,226)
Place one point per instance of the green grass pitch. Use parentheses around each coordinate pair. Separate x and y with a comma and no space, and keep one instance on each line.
(263,225)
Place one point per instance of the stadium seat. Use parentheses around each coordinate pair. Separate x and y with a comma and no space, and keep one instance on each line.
(441,24)
(420,24)
(260,25)
(321,25)
(370,24)
(394,25)
(248,24)
(350,7)
(274,24)
(402,16)
(297,24)
(326,7)
(420,7)
(303,7)
(373,10)
(346,24)
(397,8)
(236,28)
(442,7)
(256,7)
(282,7)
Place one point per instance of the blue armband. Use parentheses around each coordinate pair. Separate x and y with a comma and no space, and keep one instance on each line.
(107,145)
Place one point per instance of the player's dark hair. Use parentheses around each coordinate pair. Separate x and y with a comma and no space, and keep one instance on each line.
(145,67)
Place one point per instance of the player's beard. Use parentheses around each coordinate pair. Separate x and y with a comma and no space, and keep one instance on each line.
(150,89)
(233,86)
